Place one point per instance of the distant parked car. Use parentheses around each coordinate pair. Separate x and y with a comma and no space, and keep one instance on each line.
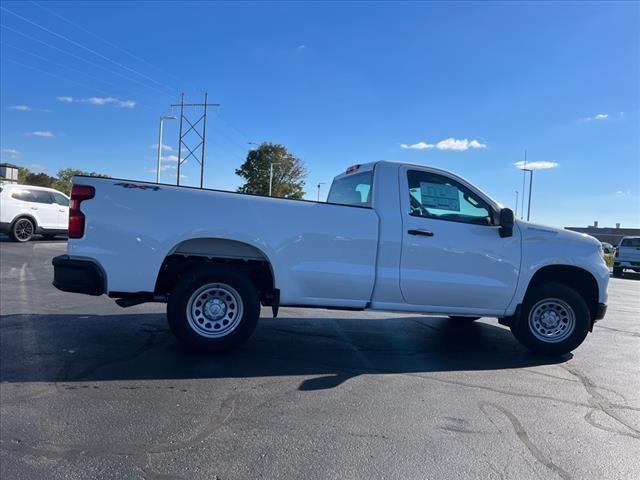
(627,256)
(607,248)
(26,210)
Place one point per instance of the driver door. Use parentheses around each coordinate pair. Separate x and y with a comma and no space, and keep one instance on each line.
(453,259)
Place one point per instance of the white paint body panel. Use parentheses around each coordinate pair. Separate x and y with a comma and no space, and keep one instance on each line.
(320,254)
(331,255)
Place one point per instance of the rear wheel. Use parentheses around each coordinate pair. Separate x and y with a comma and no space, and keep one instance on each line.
(213,310)
(22,230)
(554,319)
(464,319)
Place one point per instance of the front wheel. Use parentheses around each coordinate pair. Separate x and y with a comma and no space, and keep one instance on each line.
(213,309)
(554,319)
(22,230)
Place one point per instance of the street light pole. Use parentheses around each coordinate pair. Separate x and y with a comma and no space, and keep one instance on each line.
(524,190)
(321,183)
(162,119)
(530,186)
(271,176)
(516,202)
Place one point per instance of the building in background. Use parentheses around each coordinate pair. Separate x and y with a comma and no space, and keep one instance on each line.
(8,173)
(607,234)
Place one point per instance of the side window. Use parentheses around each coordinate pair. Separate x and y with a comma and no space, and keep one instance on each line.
(60,199)
(438,197)
(41,196)
(23,196)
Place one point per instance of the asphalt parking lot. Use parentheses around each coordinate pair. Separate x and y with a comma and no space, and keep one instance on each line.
(90,390)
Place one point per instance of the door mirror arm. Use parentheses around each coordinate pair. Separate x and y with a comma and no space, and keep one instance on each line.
(506,222)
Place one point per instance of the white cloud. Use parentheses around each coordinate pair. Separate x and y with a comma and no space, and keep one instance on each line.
(417,146)
(166,148)
(539,165)
(100,101)
(21,108)
(459,145)
(170,158)
(43,134)
(10,152)
(596,117)
(301,47)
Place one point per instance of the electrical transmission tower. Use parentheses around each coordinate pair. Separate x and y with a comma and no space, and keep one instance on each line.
(200,131)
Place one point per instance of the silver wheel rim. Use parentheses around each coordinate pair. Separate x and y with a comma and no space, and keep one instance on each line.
(552,320)
(23,229)
(214,310)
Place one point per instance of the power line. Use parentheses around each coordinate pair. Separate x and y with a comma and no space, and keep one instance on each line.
(111,44)
(89,87)
(79,45)
(66,67)
(89,62)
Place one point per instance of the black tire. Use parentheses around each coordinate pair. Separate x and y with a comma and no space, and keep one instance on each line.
(194,326)
(464,319)
(22,230)
(529,327)
(617,271)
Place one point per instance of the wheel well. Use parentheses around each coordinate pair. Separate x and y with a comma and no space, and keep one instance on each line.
(24,215)
(575,277)
(258,271)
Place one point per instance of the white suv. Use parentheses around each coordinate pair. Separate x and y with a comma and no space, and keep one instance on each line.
(26,210)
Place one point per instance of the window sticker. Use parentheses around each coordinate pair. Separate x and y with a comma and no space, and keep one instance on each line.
(442,197)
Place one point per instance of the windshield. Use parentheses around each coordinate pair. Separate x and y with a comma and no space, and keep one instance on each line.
(352,190)
(630,242)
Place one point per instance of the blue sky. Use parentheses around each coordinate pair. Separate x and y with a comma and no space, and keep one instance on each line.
(463,86)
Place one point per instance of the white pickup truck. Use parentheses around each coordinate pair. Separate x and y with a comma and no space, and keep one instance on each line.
(391,236)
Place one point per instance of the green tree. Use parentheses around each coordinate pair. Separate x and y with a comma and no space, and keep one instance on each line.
(23,174)
(63,182)
(289,172)
(27,177)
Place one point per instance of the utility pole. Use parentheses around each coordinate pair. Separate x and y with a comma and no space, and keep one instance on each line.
(162,118)
(193,126)
(516,202)
(321,183)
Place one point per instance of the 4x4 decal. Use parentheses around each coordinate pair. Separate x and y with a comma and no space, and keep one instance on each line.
(135,185)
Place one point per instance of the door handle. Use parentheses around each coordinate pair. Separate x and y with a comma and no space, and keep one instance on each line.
(61,211)
(423,233)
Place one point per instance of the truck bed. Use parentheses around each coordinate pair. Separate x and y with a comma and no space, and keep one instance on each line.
(320,254)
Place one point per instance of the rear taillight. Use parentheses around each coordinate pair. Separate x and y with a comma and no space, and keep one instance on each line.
(76,217)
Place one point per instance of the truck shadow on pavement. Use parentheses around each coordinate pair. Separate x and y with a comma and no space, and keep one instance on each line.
(73,348)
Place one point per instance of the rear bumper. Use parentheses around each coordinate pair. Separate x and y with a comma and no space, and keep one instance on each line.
(77,276)
(601,312)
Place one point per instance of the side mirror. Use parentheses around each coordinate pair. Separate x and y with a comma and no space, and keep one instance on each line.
(506,222)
